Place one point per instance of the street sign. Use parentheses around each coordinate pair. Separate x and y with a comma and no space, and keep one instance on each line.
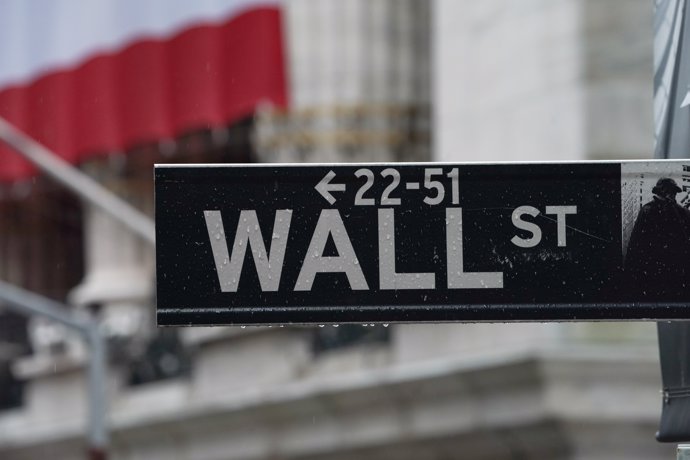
(270,244)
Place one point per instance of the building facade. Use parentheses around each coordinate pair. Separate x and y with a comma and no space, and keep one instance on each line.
(382,80)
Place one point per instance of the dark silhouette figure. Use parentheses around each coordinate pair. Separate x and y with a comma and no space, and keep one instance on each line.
(657,263)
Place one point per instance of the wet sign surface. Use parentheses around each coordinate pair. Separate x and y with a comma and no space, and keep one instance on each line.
(268,244)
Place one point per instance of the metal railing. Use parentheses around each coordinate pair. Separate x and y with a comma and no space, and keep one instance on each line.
(86,188)
(30,304)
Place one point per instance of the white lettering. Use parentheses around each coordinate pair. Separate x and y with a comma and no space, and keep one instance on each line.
(330,223)
(457,278)
(561,212)
(269,268)
(527,226)
(388,278)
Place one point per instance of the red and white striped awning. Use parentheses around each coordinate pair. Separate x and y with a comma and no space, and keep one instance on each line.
(88,77)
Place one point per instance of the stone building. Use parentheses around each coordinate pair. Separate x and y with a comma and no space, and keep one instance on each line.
(381,80)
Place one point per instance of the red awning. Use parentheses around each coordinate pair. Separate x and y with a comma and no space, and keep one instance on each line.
(86,83)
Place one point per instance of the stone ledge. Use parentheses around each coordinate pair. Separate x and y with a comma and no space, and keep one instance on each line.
(39,365)
(411,405)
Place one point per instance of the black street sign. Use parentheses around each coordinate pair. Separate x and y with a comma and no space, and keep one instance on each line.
(278,244)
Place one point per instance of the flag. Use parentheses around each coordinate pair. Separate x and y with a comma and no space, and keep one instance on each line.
(90,77)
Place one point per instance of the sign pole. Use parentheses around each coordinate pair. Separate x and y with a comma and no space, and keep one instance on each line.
(671,121)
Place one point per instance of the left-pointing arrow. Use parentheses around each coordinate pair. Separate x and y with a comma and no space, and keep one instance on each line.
(324,187)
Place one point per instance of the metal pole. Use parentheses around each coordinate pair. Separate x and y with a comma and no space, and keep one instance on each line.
(98,430)
(24,302)
(28,303)
(81,184)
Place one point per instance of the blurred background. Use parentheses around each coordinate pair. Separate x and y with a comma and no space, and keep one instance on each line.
(113,87)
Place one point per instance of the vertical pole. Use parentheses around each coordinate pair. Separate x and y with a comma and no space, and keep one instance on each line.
(97,430)
(671,128)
